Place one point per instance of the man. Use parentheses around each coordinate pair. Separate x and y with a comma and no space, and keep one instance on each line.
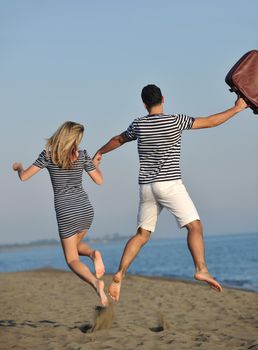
(159,144)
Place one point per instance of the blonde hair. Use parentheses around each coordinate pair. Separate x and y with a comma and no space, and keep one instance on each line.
(63,144)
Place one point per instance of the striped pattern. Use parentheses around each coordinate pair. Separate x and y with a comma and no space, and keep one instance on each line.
(159,145)
(74,211)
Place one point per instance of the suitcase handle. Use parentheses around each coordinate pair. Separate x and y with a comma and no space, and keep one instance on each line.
(250,105)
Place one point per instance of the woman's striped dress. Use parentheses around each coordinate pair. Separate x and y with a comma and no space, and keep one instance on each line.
(74,211)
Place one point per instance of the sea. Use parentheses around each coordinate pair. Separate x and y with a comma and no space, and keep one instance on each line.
(231,259)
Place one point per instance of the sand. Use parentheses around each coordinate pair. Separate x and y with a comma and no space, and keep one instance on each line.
(52,309)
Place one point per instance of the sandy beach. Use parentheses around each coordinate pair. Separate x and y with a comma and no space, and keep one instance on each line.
(52,309)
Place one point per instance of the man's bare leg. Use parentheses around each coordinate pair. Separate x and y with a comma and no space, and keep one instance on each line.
(196,247)
(131,250)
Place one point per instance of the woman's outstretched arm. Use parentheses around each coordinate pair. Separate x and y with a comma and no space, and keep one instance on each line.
(25,174)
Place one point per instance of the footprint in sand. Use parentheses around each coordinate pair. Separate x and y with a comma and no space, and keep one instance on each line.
(103,320)
(162,325)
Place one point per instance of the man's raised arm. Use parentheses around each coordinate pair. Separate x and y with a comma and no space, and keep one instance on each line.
(112,144)
(219,118)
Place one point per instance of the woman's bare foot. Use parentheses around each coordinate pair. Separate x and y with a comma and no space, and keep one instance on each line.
(101,293)
(98,264)
(115,286)
(206,277)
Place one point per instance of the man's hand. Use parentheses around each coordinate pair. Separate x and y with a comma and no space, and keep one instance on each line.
(241,104)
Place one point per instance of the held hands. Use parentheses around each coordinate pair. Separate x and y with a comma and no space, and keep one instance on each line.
(97,159)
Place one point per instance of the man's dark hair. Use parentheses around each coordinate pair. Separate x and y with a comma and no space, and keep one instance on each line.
(151,95)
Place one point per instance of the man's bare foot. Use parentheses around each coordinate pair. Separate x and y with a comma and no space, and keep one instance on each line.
(98,264)
(101,293)
(115,286)
(206,277)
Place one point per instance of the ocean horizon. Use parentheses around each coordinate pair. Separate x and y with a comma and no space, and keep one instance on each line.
(232,259)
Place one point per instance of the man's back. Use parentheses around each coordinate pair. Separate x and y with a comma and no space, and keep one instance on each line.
(159,145)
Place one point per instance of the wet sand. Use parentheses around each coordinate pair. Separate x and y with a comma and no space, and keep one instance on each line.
(52,309)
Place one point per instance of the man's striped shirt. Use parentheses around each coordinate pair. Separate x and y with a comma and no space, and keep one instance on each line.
(159,145)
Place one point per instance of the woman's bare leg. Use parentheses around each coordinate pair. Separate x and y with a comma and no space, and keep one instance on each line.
(72,258)
(85,250)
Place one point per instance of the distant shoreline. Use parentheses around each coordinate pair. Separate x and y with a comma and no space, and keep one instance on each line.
(116,237)
(54,242)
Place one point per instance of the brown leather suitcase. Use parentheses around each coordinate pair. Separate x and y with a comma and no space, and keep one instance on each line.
(243,79)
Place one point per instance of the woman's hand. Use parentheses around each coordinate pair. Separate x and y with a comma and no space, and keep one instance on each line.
(17,166)
(27,173)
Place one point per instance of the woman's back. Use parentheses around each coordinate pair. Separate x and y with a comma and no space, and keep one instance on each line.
(66,180)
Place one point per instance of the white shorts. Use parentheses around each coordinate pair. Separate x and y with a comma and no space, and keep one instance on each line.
(171,195)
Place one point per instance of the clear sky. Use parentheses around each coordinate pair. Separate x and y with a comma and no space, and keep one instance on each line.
(87,61)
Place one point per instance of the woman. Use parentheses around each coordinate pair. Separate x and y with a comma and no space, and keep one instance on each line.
(65,163)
